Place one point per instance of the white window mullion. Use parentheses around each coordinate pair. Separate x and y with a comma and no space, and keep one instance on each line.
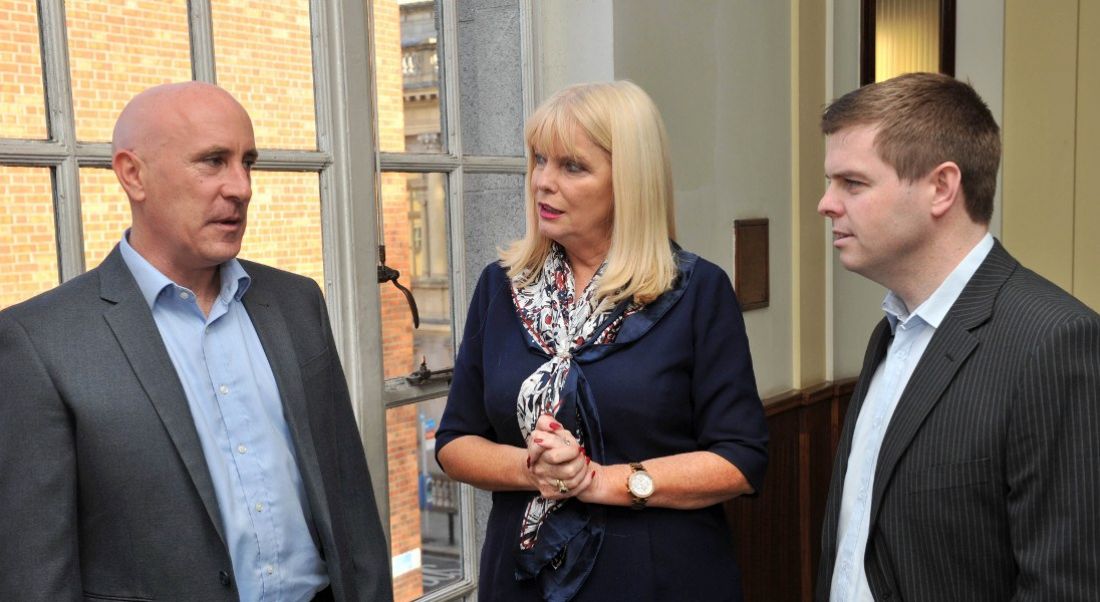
(62,128)
(201,22)
(31,153)
(345,129)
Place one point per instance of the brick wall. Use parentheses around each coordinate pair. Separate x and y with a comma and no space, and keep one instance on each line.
(24,110)
(117,49)
(28,254)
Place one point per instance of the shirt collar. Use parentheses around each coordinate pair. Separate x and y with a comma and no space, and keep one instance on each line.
(151,281)
(935,307)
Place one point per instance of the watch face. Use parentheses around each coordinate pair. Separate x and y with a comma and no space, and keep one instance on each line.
(641,484)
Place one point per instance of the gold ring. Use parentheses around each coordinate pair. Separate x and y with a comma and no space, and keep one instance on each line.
(562,489)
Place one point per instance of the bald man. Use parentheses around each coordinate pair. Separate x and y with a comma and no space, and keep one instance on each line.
(175,423)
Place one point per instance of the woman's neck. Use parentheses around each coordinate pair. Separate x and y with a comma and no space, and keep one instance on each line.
(584,267)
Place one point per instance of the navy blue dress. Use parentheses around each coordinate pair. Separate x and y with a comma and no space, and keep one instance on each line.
(683,382)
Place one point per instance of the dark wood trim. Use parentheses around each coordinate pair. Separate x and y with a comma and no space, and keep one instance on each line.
(867,40)
(782,402)
(867,43)
(750,263)
(947,37)
(777,533)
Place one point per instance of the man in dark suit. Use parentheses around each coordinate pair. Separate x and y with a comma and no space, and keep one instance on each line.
(175,423)
(969,463)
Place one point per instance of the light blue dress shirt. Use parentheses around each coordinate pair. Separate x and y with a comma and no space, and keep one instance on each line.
(245,439)
(912,333)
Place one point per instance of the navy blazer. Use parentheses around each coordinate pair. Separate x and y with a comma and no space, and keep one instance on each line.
(678,378)
(104,492)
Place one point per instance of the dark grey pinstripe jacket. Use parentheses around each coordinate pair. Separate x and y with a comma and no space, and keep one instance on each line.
(988,481)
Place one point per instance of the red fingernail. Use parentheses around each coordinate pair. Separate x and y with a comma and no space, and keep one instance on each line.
(582,451)
(554,426)
(593,474)
(538,440)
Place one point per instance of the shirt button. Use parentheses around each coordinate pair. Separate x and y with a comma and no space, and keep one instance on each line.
(241,448)
(270,569)
(259,507)
(224,390)
(185,295)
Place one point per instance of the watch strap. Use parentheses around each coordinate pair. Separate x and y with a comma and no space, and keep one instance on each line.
(636,503)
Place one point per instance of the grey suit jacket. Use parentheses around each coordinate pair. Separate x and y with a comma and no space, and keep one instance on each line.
(988,480)
(104,492)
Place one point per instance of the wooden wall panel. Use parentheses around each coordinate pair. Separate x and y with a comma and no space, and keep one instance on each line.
(777,534)
(766,528)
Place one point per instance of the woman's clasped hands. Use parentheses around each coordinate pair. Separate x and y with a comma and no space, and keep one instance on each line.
(557,465)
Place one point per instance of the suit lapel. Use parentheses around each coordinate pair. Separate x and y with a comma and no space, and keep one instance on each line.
(271,327)
(948,350)
(132,323)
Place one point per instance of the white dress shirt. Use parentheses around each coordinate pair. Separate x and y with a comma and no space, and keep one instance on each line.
(912,333)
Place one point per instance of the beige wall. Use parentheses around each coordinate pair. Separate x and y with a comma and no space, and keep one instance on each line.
(1086,252)
(854,303)
(720,73)
(574,43)
(1052,141)
(741,130)
(808,74)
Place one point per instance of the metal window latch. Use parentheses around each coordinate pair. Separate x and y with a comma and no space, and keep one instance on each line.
(388,274)
(423,374)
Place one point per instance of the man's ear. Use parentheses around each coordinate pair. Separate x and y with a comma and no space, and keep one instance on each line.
(946,182)
(129,169)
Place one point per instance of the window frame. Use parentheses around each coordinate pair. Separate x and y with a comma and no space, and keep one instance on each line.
(348,165)
(455,164)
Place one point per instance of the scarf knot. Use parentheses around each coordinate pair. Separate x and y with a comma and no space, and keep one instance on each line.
(560,539)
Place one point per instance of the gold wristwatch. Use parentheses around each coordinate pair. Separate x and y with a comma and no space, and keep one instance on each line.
(639,485)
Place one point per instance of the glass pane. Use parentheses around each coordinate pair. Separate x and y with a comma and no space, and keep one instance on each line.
(284,223)
(119,49)
(104,212)
(425,521)
(23,112)
(263,57)
(406,55)
(415,225)
(28,236)
(491,98)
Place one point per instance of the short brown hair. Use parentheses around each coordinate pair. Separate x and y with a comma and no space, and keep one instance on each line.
(924,119)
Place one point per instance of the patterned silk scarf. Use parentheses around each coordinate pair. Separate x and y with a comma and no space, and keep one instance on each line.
(559,540)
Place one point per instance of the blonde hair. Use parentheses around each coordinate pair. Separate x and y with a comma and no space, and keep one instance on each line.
(620,118)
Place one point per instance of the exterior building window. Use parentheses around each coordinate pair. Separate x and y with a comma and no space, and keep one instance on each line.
(446,156)
(438,67)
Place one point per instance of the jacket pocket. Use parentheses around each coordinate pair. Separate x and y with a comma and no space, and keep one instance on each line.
(92,596)
(949,476)
(315,364)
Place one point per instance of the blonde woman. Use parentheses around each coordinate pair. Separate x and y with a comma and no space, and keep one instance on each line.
(604,391)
